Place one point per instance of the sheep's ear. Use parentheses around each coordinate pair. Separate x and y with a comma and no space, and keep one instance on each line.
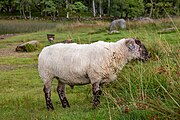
(130,44)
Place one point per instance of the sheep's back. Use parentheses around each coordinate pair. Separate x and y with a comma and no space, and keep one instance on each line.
(72,62)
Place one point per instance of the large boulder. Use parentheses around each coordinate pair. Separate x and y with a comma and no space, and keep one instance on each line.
(28,46)
(117,24)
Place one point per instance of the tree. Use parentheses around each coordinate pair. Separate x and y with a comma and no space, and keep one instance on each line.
(67,9)
(151,8)
(77,8)
(118,8)
(24,6)
(100,8)
(94,8)
(135,8)
(177,7)
(109,7)
(38,6)
(49,7)
(160,8)
(59,6)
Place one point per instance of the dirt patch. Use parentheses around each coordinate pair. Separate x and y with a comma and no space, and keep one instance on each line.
(7,67)
(7,52)
(6,36)
(14,67)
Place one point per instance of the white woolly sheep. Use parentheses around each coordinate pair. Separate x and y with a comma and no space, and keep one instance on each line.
(80,64)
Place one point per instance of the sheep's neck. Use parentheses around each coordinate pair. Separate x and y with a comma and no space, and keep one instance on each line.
(122,57)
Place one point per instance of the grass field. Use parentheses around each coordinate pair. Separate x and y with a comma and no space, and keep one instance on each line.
(143,91)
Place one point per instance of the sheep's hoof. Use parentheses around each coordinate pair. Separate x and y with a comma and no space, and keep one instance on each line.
(65,103)
(96,103)
(50,108)
(49,105)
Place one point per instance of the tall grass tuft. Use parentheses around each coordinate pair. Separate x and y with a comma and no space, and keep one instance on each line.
(153,86)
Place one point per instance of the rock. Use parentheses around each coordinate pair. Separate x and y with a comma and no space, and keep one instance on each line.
(114,31)
(28,46)
(143,19)
(117,24)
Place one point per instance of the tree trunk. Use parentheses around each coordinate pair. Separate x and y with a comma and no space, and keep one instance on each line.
(109,7)
(94,9)
(100,8)
(20,11)
(67,15)
(45,13)
(54,15)
(23,11)
(29,13)
(10,6)
(89,4)
(67,7)
(150,15)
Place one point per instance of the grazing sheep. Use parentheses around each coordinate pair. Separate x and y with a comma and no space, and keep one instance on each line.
(96,63)
(50,37)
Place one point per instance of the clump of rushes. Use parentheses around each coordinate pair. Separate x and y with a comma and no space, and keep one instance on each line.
(152,87)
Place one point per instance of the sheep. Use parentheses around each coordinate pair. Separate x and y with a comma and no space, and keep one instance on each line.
(79,64)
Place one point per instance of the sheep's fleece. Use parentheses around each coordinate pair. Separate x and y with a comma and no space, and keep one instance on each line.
(78,64)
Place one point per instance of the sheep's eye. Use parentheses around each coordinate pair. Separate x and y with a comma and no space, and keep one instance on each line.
(144,52)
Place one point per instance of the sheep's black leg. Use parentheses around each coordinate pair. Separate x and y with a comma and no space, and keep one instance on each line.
(62,96)
(96,94)
(47,92)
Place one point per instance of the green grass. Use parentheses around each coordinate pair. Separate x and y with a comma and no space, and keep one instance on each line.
(2,46)
(143,91)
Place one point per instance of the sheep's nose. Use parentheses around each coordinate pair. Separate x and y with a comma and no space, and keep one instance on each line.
(148,56)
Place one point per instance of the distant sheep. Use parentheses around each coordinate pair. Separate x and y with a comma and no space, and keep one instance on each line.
(80,64)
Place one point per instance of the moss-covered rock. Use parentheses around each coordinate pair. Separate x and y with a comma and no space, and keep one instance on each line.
(28,46)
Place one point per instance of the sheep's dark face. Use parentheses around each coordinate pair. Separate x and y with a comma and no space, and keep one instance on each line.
(137,49)
(143,53)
